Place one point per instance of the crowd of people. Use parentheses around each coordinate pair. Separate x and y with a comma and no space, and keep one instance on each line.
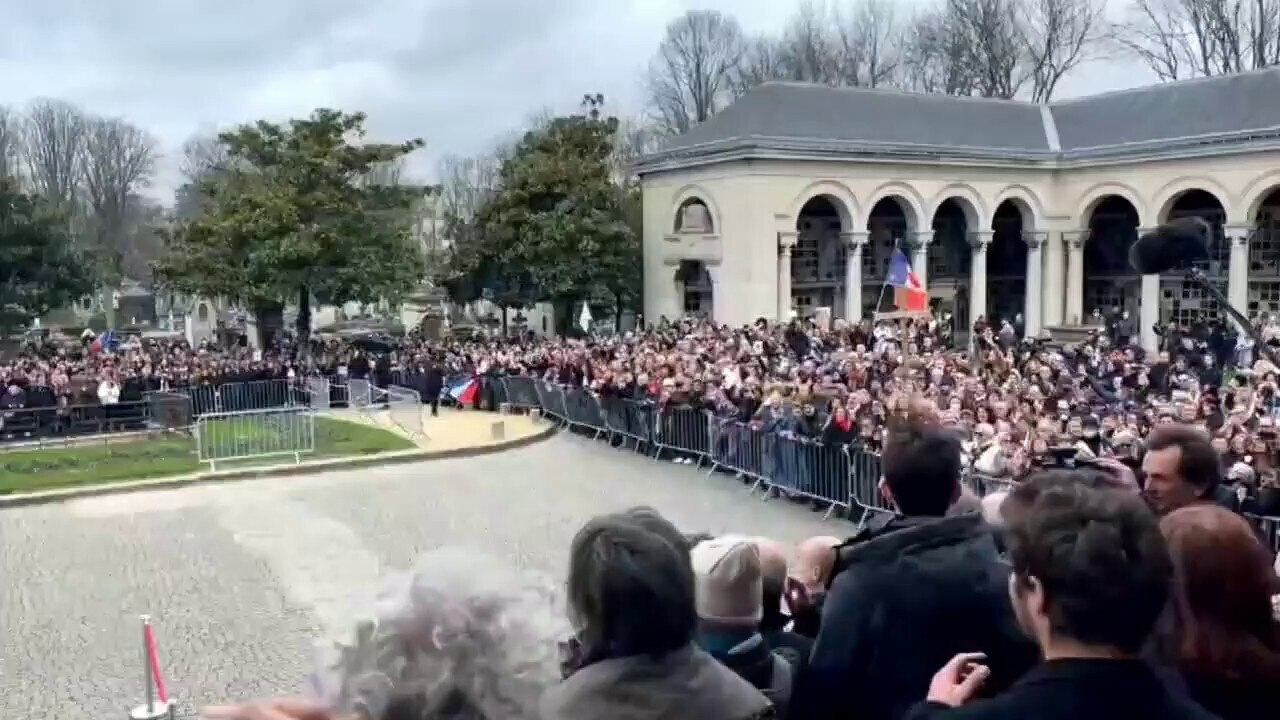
(1071,597)
(1014,401)
(1116,578)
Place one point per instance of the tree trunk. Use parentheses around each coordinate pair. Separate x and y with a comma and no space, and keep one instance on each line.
(504,321)
(617,313)
(302,324)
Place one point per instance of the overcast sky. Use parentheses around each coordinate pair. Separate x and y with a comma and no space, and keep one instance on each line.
(459,73)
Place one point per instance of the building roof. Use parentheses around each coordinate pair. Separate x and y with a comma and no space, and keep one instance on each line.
(1173,117)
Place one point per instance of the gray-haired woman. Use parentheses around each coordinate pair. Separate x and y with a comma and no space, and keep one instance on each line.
(461,637)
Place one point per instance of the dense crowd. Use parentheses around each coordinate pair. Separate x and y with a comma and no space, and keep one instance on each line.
(1122,585)
(1072,597)
(1014,401)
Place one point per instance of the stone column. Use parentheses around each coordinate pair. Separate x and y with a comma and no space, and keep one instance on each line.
(1149,312)
(1031,315)
(1238,270)
(1075,276)
(786,241)
(854,244)
(979,241)
(920,256)
(1054,276)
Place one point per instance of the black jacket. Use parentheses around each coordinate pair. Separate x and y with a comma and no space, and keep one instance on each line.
(1079,690)
(906,598)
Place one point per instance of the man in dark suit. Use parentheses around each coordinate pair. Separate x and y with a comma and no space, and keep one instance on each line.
(911,593)
(1091,576)
(432,384)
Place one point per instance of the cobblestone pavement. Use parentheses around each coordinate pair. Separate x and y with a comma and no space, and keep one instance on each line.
(242,579)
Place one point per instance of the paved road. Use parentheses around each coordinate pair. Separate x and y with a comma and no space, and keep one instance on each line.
(244,578)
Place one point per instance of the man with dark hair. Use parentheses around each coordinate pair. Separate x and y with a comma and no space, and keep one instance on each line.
(1182,468)
(908,595)
(1091,576)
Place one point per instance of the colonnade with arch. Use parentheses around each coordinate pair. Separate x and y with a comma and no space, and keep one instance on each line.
(1000,257)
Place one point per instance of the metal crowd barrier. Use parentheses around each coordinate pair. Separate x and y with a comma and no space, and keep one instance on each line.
(780,465)
(38,424)
(404,406)
(248,434)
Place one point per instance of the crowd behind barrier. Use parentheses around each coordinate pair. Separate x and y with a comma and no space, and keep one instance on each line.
(840,479)
(843,480)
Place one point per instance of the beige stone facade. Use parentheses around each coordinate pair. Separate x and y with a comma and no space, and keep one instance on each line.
(1043,234)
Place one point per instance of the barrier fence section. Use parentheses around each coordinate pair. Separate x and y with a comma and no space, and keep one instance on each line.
(844,478)
(244,434)
(37,424)
(404,406)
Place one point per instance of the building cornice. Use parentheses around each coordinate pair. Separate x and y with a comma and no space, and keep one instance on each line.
(784,149)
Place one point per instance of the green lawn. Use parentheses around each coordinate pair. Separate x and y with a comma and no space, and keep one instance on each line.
(31,470)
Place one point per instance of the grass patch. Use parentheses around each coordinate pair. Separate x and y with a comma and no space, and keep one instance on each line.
(167,455)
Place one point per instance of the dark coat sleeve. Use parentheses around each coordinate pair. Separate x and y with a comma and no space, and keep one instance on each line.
(829,687)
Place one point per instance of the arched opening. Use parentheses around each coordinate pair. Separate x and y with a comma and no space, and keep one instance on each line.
(1264,258)
(1007,265)
(1186,303)
(887,228)
(694,217)
(202,313)
(817,260)
(950,264)
(695,289)
(1111,285)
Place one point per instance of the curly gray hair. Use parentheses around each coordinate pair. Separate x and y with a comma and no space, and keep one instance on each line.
(461,636)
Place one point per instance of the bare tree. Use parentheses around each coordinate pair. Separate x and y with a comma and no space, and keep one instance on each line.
(142,238)
(53,147)
(761,60)
(203,155)
(937,55)
(810,47)
(10,143)
(635,138)
(992,33)
(1194,38)
(117,160)
(466,182)
(1057,36)
(870,41)
(692,75)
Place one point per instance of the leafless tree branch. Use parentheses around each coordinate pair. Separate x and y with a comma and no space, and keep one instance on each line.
(117,160)
(54,135)
(691,76)
(10,143)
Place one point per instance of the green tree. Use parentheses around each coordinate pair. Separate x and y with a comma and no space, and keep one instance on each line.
(41,268)
(297,213)
(556,228)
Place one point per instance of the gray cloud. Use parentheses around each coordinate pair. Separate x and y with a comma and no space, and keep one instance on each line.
(458,73)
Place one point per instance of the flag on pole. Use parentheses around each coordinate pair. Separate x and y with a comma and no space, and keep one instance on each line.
(108,341)
(909,295)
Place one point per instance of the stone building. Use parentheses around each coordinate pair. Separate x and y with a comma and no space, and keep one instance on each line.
(794,197)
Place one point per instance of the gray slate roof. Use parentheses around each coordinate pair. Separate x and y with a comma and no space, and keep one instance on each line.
(816,118)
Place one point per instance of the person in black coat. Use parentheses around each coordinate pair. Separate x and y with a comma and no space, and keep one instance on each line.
(1091,576)
(908,595)
(433,383)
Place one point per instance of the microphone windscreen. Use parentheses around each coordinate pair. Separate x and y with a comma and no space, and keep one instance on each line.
(1176,244)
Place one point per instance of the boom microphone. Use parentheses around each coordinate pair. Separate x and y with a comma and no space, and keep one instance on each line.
(1175,244)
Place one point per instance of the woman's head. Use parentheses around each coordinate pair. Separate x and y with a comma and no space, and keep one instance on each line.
(462,636)
(1220,617)
(631,586)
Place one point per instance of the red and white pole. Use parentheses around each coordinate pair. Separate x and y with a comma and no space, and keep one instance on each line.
(155,707)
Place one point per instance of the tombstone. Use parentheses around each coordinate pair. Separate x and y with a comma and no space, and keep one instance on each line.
(695,219)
